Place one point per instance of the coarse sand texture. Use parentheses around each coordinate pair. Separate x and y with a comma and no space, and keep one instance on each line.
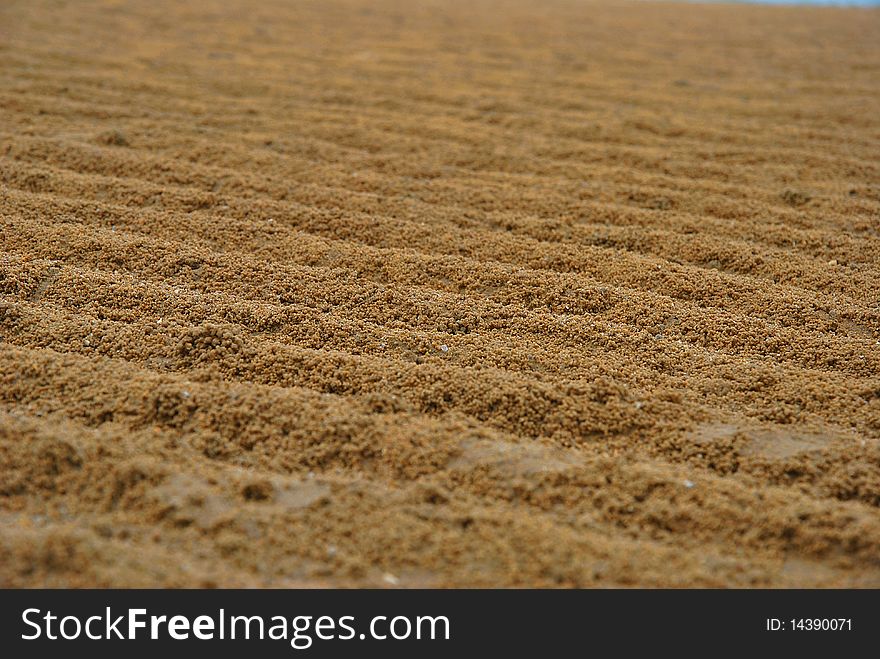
(448,293)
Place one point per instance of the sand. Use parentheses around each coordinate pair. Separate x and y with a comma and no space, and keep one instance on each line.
(450,293)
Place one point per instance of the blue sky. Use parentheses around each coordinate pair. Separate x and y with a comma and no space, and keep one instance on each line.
(851,3)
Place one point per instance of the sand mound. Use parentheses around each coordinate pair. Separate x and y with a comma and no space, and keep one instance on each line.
(450,294)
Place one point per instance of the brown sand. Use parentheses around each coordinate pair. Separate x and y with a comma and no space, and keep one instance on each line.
(468,293)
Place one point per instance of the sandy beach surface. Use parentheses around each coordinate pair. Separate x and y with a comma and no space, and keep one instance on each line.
(447,293)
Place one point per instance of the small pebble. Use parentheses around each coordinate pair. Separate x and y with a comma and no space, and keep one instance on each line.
(444,348)
(832,262)
(390,579)
(688,484)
